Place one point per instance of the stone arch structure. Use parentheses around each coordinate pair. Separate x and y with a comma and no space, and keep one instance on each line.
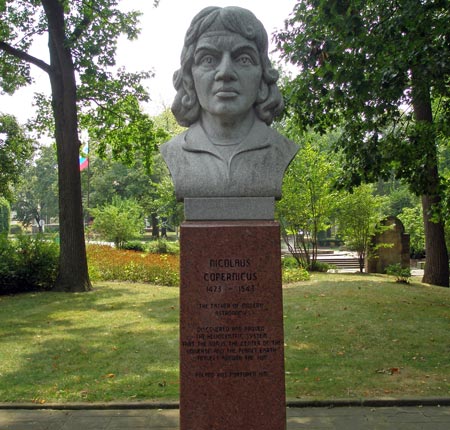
(389,246)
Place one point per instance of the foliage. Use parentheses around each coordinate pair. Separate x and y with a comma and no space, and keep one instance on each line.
(341,331)
(133,245)
(109,264)
(162,246)
(118,222)
(397,196)
(355,62)
(27,263)
(87,90)
(5,215)
(109,179)
(402,274)
(153,191)
(36,197)
(308,200)
(374,69)
(357,215)
(15,150)
(412,221)
(136,139)
(320,266)
(297,274)
(288,262)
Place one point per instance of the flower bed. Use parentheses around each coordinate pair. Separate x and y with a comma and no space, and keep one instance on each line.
(111,264)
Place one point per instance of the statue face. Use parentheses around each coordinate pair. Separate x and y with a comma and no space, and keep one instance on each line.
(227,74)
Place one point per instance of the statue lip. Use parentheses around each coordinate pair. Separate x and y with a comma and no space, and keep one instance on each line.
(227,92)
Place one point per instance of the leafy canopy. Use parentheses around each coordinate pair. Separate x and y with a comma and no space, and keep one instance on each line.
(356,63)
(15,150)
(107,98)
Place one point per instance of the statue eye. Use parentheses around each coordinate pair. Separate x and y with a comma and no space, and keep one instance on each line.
(245,60)
(208,60)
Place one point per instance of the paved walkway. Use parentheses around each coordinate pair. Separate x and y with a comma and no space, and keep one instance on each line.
(338,418)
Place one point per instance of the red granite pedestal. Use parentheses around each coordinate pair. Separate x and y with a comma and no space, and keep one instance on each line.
(231,327)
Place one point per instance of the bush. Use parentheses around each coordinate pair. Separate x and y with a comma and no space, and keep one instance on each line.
(27,264)
(134,245)
(162,246)
(118,222)
(289,262)
(297,274)
(318,266)
(402,274)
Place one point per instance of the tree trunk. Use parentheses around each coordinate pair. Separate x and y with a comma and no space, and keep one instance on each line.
(436,258)
(155,226)
(73,271)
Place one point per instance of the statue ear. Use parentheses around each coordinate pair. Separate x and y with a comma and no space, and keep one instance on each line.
(263,92)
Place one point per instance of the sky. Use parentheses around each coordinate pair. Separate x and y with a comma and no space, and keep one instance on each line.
(158,47)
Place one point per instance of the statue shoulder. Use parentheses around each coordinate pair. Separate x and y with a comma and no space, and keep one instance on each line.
(283,144)
(172,146)
(175,141)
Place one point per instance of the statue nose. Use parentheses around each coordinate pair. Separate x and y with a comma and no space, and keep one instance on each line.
(225,69)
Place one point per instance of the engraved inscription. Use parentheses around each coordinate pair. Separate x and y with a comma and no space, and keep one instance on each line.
(232,299)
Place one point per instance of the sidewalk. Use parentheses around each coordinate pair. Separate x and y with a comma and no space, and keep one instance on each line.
(311,418)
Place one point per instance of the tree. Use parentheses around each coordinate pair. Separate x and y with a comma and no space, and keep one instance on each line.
(5,213)
(36,198)
(410,217)
(374,68)
(82,40)
(119,221)
(357,215)
(307,202)
(398,196)
(15,150)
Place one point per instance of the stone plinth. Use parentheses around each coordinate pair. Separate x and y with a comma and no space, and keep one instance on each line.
(231,327)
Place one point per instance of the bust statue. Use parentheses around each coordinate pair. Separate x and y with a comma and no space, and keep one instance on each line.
(227,96)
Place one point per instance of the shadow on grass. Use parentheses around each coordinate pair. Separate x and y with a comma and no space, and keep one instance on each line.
(109,344)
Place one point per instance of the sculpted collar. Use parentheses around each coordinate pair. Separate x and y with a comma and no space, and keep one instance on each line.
(196,139)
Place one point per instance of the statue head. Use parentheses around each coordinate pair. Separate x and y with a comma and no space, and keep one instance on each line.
(186,106)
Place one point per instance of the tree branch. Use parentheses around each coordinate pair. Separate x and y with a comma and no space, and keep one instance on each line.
(82,25)
(21,55)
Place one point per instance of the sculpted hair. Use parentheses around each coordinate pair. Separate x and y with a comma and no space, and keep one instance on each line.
(186,107)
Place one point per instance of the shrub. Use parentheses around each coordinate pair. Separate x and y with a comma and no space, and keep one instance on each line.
(289,262)
(162,246)
(297,274)
(133,245)
(402,274)
(118,222)
(318,266)
(110,264)
(27,264)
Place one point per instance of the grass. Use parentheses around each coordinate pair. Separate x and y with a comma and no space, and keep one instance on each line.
(345,335)
(360,336)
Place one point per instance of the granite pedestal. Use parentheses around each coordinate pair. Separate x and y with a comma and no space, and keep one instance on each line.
(231,326)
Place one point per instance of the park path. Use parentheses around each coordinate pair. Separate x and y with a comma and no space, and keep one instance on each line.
(337,418)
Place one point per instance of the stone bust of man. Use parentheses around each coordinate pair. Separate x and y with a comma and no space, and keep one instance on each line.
(227,96)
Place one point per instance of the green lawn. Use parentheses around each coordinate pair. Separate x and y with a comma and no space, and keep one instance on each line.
(345,335)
